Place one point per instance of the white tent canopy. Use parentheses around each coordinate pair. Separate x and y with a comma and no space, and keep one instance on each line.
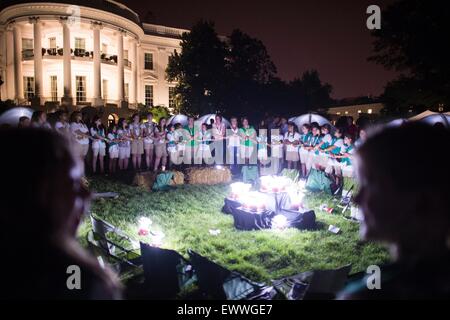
(309,118)
(422,115)
(207,119)
(438,117)
(11,116)
(178,118)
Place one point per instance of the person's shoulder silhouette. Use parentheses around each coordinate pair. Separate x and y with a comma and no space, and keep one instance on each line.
(403,177)
(42,203)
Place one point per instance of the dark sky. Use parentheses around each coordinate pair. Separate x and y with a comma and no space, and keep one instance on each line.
(330,36)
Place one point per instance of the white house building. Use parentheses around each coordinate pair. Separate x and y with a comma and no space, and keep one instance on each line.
(83,53)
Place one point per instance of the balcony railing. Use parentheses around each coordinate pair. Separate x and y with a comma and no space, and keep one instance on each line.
(107,58)
(28,54)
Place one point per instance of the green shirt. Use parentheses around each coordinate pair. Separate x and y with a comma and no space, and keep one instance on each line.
(247,132)
(191,132)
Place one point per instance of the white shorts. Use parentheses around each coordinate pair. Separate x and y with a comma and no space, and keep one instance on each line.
(148,145)
(262,154)
(332,165)
(82,149)
(303,155)
(311,159)
(322,159)
(246,151)
(99,152)
(113,152)
(124,152)
(203,152)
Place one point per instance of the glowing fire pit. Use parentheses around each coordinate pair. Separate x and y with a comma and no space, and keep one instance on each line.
(254,202)
(274,184)
(239,190)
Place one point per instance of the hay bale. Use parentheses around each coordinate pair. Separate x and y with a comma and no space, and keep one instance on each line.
(178,178)
(209,176)
(144,179)
(85,183)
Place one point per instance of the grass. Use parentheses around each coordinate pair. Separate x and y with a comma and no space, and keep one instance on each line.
(187,213)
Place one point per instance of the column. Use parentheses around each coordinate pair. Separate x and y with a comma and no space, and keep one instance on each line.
(3,93)
(67,61)
(161,92)
(37,53)
(9,47)
(138,72)
(18,75)
(134,82)
(120,70)
(97,98)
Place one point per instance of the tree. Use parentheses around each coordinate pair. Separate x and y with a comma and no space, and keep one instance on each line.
(199,70)
(158,112)
(248,59)
(249,69)
(309,92)
(411,41)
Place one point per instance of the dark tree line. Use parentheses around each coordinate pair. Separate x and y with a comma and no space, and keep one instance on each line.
(236,76)
(412,40)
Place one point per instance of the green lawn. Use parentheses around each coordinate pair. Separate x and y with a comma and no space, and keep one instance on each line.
(187,213)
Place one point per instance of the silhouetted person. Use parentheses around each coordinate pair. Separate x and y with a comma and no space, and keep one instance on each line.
(404,194)
(42,201)
(24,122)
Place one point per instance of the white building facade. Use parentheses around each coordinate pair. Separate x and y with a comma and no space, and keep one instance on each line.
(96,54)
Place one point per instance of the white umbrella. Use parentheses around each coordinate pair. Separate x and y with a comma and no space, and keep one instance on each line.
(11,116)
(309,118)
(178,118)
(438,117)
(207,119)
(396,122)
(422,115)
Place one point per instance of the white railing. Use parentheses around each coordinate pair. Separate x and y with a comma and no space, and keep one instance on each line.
(162,30)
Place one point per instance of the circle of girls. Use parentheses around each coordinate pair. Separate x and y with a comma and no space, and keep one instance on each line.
(144,144)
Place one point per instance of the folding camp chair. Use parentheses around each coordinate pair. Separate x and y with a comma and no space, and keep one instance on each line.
(166,272)
(218,283)
(104,239)
(314,285)
(346,199)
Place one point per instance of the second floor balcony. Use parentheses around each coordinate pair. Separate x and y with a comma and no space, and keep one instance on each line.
(78,54)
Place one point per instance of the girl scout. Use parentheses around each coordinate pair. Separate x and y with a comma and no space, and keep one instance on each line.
(305,138)
(292,141)
(248,138)
(204,137)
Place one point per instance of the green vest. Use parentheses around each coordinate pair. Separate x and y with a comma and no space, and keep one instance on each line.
(192,132)
(247,132)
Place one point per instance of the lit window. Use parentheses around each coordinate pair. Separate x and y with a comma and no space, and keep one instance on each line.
(54,88)
(148,61)
(27,43)
(359,111)
(149,96)
(52,43)
(80,44)
(346,112)
(28,87)
(27,48)
(369,111)
(338,113)
(80,88)
(126,91)
(105,89)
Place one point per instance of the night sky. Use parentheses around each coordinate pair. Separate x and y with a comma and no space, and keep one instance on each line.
(330,36)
